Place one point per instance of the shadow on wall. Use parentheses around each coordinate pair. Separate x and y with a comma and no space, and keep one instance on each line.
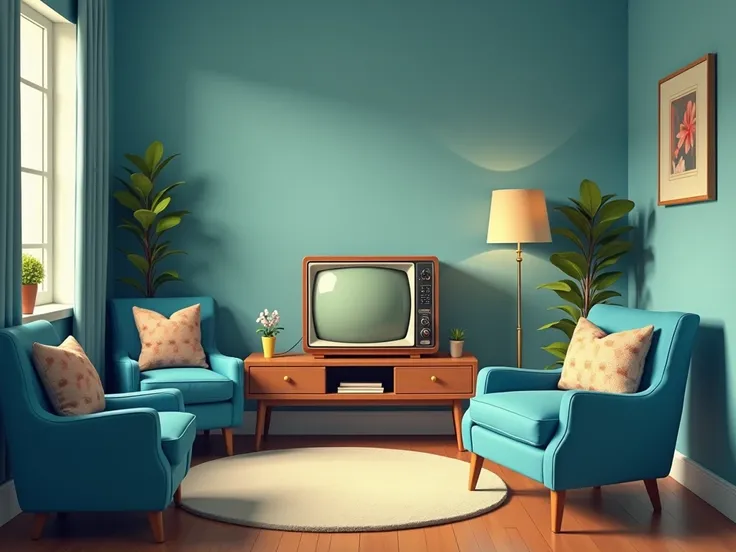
(642,254)
(707,405)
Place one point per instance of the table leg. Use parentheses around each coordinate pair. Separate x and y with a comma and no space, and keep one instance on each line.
(457,418)
(260,423)
(267,424)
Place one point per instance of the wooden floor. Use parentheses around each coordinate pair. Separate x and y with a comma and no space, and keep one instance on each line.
(616,519)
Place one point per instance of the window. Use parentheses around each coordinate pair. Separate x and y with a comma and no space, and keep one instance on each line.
(37,155)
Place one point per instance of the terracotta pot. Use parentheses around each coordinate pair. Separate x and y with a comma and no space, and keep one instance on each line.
(456,348)
(28,297)
(269,345)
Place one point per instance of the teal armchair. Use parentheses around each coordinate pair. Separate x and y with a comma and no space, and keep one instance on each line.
(215,394)
(132,456)
(576,439)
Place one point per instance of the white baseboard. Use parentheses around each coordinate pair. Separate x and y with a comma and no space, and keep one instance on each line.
(352,422)
(715,490)
(8,502)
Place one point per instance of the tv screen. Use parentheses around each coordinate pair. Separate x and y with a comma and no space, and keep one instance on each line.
(361,304)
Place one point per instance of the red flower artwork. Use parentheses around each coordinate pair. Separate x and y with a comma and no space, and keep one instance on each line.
(683,133)
(686,136)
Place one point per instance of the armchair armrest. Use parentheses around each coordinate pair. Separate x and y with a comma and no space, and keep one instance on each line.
(233,369)
(606,438)
(161,400)
(498,379)
(127,374)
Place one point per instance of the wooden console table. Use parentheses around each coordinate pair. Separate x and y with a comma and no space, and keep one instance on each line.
(305,380)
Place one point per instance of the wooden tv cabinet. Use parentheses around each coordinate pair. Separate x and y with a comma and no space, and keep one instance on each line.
(305,380)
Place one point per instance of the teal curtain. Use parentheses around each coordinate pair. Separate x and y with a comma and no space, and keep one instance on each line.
(10,233)
(93,174)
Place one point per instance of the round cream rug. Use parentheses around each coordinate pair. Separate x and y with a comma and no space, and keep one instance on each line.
(338,489)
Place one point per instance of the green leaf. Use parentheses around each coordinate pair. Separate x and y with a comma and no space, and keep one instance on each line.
(566,265)
(130,188)
(573,296)
(167,276)
(558,349)
(132,282)
(161,205)
(590,196)
(554,365)
(570,310)
(565,325)
(133,229)
(615,210)
(126,199)
(606,279)
(153,155)
(167,223)
(604,296)
(165,191)
(606,198)
(577,259)
(555,286)
(613,249)
(611,235)
(171,252)
(610,261)
(145,217)
(162,165)
(139,162)
(142,183)
(570,235)
(139,262)
(582,208)
(577,218)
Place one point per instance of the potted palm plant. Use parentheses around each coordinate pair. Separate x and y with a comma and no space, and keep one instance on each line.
(32,274)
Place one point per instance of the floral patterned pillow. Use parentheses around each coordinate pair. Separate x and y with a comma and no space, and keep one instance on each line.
(612,363)
(72,384)
(170,342)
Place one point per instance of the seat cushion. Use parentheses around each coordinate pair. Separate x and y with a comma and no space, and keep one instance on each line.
(530,417)
(178,430)
(197,385)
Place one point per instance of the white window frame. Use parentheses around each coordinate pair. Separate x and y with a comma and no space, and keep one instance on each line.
(45,292)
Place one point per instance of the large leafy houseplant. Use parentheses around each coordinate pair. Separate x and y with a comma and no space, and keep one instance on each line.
(598,247)
(151,218)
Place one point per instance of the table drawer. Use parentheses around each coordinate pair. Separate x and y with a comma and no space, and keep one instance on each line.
(433,380)
(265,380)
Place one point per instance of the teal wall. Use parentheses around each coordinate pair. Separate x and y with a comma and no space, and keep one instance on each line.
(65,8)
(334,127)
(686,260)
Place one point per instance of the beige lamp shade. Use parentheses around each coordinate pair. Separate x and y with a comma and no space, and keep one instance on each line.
(518,216)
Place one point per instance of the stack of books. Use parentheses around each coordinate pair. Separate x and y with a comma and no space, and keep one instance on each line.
(359,387)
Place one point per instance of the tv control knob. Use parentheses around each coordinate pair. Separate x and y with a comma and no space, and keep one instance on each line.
(424,321)
(425,332)
(425,274)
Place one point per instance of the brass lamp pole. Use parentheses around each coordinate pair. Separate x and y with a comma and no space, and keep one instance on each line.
(518,216)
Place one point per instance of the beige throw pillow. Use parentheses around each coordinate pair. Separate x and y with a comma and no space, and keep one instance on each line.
(597,361)
(170,342)
(71,382)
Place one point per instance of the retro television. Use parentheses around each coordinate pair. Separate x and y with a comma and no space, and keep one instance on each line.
(366,306)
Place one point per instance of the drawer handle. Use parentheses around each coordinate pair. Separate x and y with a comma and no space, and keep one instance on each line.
(433,378)
(287,378)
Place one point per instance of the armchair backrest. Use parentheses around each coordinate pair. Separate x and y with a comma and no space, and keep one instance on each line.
(23,401)
(125,340)
(668,361)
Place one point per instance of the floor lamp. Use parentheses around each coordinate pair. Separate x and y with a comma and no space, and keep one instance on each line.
(518,216)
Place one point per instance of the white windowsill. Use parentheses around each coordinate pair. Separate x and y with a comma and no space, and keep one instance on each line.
(50,312)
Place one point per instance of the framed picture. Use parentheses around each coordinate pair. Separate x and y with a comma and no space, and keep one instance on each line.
(687,134)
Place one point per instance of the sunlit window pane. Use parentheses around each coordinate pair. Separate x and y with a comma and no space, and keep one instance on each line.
(32,103)
(33,207)
(32,50)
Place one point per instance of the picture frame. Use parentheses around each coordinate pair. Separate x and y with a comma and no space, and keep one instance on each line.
(687,134)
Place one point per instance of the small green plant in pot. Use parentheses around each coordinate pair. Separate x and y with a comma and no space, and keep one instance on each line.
(32,275)
(598,247)
(457,339)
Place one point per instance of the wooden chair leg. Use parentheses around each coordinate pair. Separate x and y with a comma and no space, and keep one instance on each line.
(177,496)
(156,521)
(227,434)
(39,521)
(206,433)
(557,509)
(653,492)
(476,464)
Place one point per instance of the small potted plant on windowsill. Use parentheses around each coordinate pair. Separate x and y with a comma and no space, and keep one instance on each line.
(269,331)
(32,274)
(457,339)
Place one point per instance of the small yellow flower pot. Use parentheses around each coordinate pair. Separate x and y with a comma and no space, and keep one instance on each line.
(269,344)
